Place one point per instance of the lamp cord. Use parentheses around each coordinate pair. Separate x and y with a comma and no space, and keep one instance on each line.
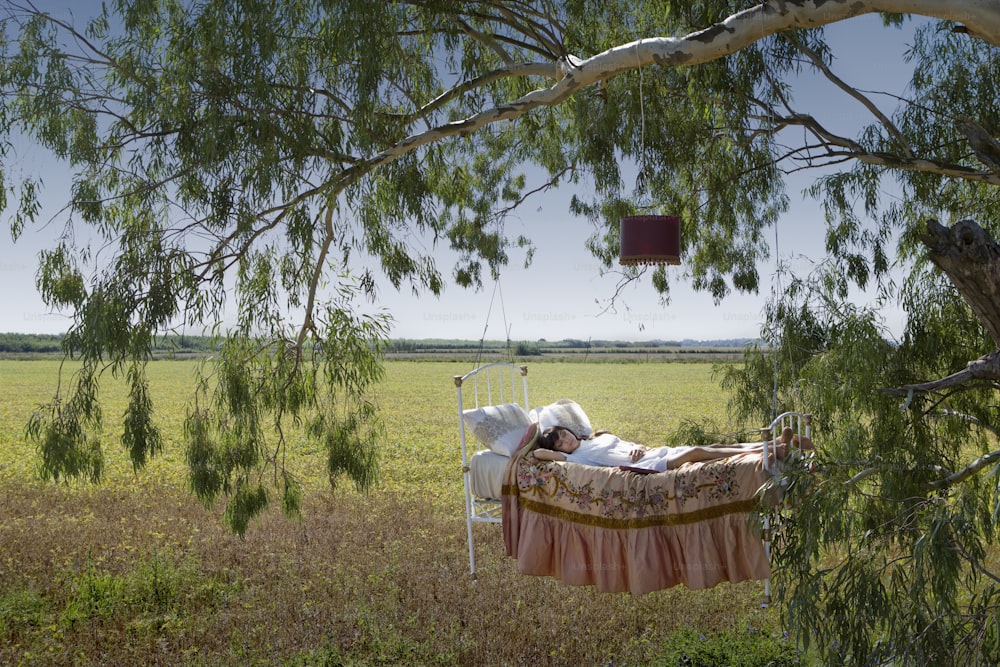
(642,123)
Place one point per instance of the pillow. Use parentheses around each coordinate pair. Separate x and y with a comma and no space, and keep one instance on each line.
(499,427)
(563,412)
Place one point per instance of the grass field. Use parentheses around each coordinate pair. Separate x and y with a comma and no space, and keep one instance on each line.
(136,571)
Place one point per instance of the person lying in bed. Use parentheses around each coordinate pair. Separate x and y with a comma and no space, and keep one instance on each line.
(558,443)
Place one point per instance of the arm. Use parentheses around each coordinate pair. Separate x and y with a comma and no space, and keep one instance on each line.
(549,455)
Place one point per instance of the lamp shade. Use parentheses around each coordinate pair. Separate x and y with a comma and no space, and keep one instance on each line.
(650,239)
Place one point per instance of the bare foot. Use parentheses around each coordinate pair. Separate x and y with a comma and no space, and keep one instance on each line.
(781,448)
(803,443)
(787,441)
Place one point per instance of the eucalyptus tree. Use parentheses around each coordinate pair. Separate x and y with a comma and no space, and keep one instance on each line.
(285,160)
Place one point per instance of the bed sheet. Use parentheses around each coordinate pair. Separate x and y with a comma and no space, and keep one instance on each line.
(486,474)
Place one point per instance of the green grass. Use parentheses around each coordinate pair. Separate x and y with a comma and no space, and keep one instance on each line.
(136,571)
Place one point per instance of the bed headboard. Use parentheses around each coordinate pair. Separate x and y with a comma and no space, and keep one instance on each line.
(493,384)
(497,385)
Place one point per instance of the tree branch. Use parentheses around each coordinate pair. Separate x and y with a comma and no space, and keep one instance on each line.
(968,471)
(541,69)
(722,39)
(984,368)
(856,94)
(318,270)
(852,150)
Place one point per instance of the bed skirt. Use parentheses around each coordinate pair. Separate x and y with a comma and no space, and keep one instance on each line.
(637,533)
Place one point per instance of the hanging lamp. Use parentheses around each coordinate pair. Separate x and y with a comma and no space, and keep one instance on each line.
(650,239)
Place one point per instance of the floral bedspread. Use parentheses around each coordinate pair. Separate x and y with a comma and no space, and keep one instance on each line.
(623,531)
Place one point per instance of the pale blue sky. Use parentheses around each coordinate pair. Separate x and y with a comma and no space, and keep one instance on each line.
(558,299)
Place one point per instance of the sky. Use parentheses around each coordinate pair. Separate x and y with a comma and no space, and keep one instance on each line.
(562,294)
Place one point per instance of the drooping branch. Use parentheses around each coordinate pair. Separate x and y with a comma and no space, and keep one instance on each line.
(986,148)
(841,149)
(949,480)
(984,368)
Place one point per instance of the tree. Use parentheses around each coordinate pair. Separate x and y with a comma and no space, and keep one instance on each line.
(287,153)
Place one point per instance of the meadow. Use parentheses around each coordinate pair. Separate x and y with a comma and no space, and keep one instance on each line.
(135,571)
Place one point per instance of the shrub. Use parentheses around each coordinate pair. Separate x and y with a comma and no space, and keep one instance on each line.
(730,648)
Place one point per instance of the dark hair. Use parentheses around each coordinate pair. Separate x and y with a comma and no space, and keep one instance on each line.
(547,438)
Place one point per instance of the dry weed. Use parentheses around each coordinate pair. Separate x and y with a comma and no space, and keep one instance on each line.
(380,579)
(137,572)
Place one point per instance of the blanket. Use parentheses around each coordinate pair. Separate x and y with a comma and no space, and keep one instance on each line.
(623,531)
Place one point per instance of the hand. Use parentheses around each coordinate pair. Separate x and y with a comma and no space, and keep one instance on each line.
(637,453)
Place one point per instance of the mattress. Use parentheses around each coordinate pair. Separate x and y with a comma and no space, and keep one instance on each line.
(486,471)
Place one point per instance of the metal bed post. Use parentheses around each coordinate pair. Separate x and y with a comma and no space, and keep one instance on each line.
(524,387)
(800,424)
(465,475)
(479,510)
(766,435)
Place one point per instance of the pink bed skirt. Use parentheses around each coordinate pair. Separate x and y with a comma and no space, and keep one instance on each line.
(638,560)
(636,533)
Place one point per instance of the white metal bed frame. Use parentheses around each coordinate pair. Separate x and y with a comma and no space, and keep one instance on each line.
(497,383)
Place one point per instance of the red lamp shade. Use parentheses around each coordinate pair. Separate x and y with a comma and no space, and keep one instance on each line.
(650,239)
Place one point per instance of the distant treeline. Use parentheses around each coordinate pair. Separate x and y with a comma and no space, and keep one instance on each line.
(18,343)
(47,344)
(33,343)
(523,348)
(569,345)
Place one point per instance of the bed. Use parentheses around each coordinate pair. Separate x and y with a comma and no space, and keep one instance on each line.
(698,525)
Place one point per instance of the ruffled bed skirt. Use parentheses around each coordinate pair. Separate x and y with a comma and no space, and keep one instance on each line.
(638,560)
(636,533)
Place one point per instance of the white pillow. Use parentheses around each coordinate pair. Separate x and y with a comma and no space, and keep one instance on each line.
(499,427)
(563,412)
